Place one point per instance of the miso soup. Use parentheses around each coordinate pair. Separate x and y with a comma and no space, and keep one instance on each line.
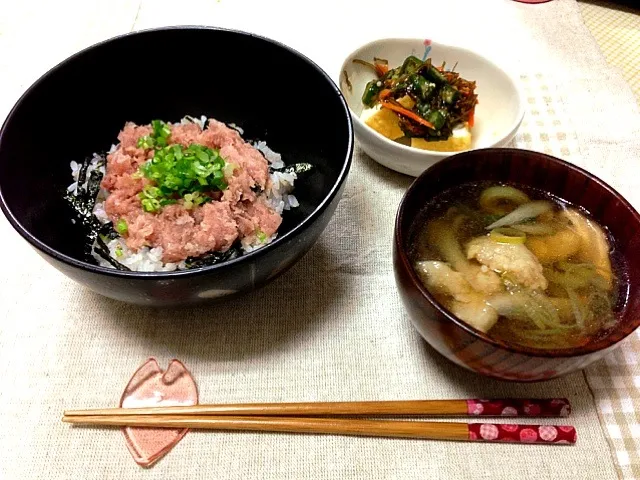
(520,265)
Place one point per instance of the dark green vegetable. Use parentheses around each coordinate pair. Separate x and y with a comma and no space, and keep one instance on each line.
(411,65)
(435,75)
(423,109)
(443,100)
(437,118)
(400,88)
(392,75)
(420,87)
(449,94)
(371,92)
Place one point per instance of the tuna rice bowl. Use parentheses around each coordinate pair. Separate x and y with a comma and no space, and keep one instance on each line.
(174,196)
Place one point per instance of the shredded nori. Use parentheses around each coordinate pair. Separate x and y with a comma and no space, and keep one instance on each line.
(107,232)
(84,198)
(212,258)
(83,201)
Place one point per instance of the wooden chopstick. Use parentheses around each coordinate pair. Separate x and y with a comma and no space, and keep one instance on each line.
(548,434)
(552,407)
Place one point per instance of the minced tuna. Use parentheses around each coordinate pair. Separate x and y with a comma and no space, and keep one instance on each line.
(185,230)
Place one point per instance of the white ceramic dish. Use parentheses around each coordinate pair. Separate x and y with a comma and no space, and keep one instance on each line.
(498,114)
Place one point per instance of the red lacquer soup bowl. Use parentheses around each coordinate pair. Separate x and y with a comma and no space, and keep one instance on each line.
(471,348)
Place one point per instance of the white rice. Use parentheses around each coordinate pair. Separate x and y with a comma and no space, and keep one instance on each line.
(236,128)
(278,196)
(274,158)
(202,121)
(144,260)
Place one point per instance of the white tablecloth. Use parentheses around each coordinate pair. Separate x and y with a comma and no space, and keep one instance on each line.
(332,328)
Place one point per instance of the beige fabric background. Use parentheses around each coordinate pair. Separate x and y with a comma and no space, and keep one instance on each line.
(330,329)
(616,381)
(616,28)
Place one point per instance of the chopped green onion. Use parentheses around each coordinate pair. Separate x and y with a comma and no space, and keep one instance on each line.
(150,191)
(118,250)
(146,142)
(179,172)
(507,235)
(122,227)
(150,205)
(159,137)
(161,132)
(261,236)
(522,213)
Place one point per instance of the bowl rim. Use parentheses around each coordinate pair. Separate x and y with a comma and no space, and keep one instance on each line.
(474,332)
(245,257)
(429,153)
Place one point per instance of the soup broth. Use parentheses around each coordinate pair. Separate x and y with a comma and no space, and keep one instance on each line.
(521,265)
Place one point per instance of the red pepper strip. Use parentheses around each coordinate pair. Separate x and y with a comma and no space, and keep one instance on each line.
(381,69)
(407,113)
(472,117)
(384,94)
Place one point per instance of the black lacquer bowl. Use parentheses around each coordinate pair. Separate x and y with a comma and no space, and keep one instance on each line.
(273,92)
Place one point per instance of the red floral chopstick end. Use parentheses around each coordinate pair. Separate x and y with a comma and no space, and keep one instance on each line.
(551,407)
(552,434)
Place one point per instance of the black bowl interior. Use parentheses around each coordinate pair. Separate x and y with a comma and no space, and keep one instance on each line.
(79,107)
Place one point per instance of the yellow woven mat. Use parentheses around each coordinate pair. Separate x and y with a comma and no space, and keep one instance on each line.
(615,387)
(617,30)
